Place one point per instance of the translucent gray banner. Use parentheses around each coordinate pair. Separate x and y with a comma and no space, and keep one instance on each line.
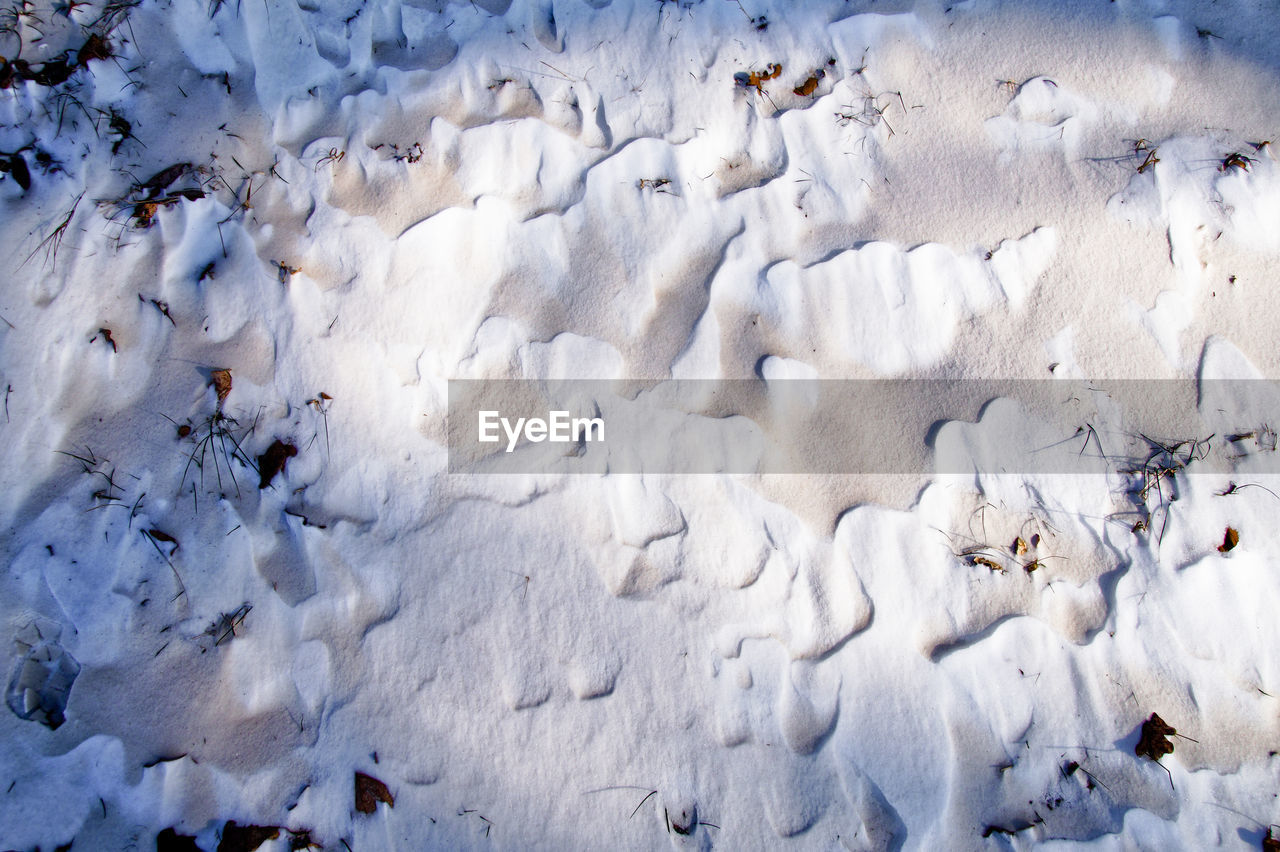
(861,426)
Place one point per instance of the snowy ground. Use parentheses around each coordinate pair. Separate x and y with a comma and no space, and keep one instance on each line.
(247,243)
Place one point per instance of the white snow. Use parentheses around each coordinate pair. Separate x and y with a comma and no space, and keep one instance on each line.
(349,203)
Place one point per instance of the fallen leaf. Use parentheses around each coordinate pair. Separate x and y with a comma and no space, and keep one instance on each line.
(245,838)
(51,73)
(160,181)
(1154,740)
(986,563)
(273,461)
(807,88)
(106,335)
(1229,541)
(144,212)
(96,47)
(221,385)
(15,165)
(756,79)
(169,840)
(1235,161)
(370,791)
(161,535)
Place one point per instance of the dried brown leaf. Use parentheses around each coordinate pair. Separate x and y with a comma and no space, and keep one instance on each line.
(96,47)
(221,385)
(986,563)
(273,461)
(1235,160)
(15,165)
(808,87)
(170,840)
(161,535)
(245,838)
(1153,741)
(144,212)
(160,181)
(756,79)
(370,791)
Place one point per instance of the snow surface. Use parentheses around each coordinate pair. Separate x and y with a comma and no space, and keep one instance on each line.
(379,197)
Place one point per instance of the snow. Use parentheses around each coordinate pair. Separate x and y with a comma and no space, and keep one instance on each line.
(764,613)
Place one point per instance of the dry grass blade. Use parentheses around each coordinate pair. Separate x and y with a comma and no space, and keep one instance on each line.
(115,13)
(227,623)
(52,243)
(321,404)
(642,801)
(150,536)
(213,438)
